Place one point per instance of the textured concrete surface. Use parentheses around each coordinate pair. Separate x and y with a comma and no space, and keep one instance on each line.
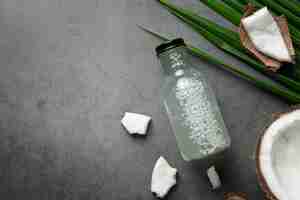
(71,68)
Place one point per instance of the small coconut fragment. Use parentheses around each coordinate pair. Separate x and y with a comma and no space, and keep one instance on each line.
(214,178)
(136,123)
(266,35)
(163,178)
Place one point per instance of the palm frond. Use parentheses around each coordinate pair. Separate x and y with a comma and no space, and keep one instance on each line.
(268,85)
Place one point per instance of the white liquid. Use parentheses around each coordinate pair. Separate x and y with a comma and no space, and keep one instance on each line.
(194,116)
(197,114)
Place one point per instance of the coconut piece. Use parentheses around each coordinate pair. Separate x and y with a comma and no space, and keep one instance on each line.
(163,178)
(270,63)
(136,123)
(214,178)
(265,34)
(280,26)
(277,158)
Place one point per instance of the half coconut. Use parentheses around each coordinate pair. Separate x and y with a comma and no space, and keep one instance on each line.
(278,158)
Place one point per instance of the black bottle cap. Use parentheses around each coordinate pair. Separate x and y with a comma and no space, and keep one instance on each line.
(169,45)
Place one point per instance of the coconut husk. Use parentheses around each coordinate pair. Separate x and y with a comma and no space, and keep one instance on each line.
(283,25)
(261,179)
(235,196)
(270,63)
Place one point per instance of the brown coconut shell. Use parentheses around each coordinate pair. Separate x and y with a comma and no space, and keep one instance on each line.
(235,196)
(261,179)
(270,63)
(283,25)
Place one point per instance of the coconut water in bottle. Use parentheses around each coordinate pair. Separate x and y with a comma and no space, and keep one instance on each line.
(190,104)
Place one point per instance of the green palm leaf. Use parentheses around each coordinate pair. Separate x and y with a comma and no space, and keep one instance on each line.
(227,34)
(220,43)
(268,85)
(235,5)
(293,6)
(226,11)
(231,37)
(235,17)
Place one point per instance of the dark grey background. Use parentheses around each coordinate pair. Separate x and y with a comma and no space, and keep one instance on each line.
(71,68)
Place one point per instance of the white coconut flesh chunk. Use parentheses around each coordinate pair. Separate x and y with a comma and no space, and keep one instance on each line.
(279,157)
(265,34)
(136,123)
(214,178)
(163,178)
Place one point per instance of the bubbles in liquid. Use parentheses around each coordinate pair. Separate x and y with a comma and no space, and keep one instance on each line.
(198,115)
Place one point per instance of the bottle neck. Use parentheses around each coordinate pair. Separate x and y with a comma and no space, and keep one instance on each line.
(174,61)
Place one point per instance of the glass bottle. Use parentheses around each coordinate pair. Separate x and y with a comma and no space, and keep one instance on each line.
(190,104)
